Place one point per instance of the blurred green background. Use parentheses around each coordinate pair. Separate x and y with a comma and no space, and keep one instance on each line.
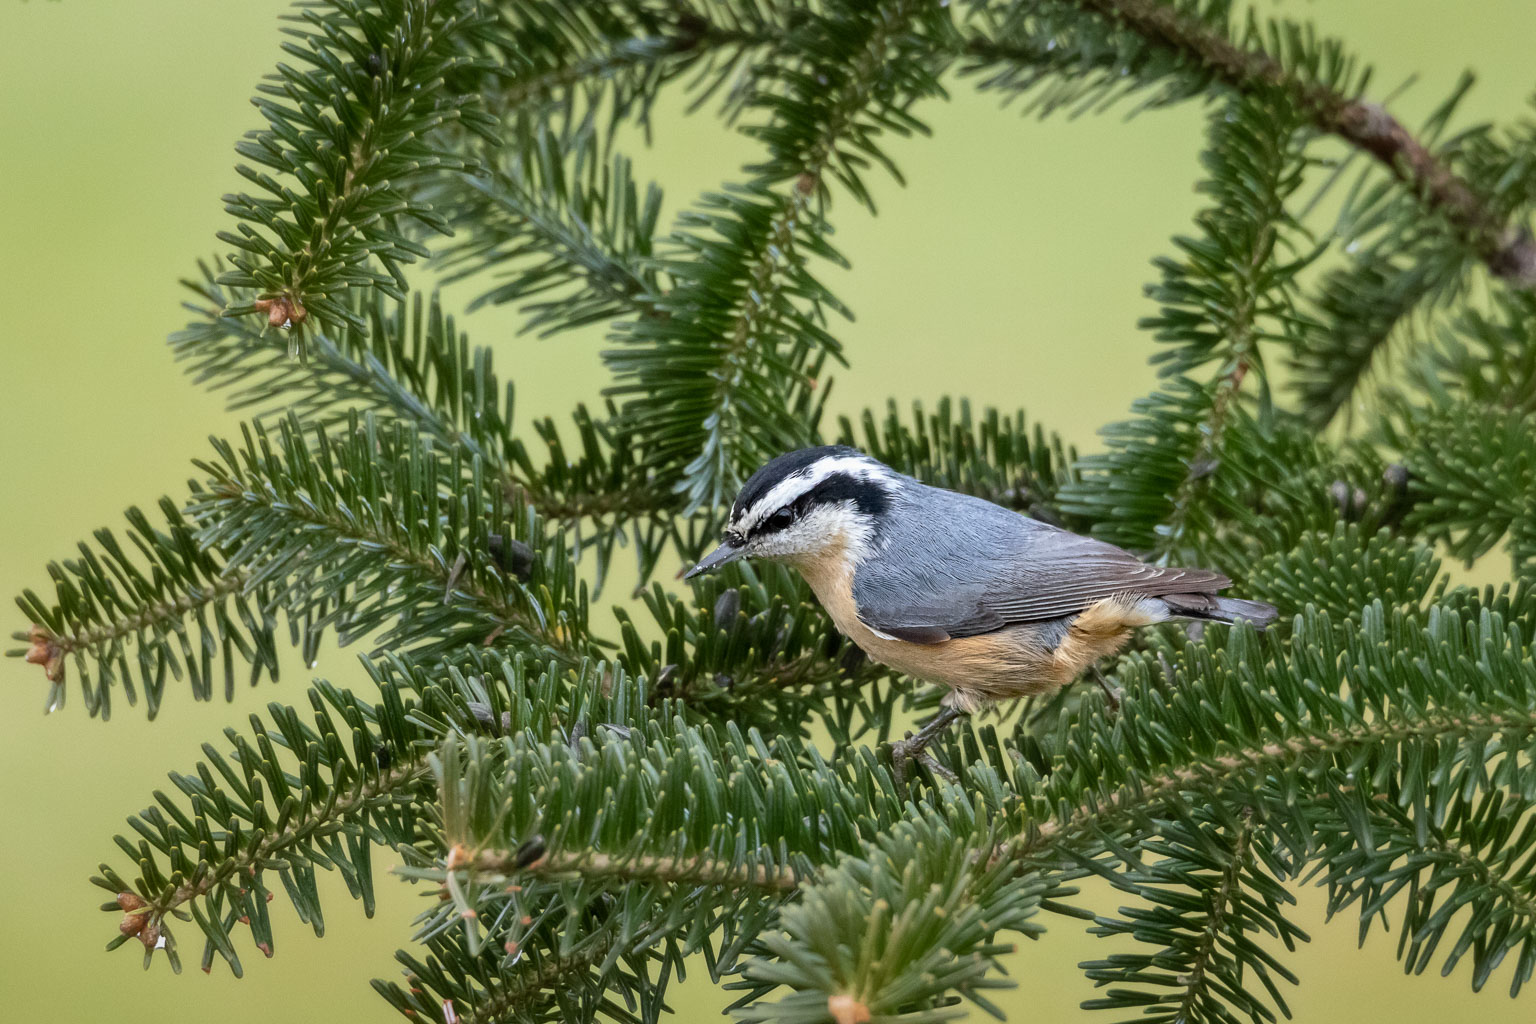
(1009,269)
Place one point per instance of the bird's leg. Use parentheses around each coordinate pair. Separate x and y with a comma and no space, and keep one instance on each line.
(915,747)
(1111,695)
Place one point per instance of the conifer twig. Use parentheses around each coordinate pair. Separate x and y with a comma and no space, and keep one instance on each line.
(1367,126)
(1134,797)
(677,871)
(323,819)
(1231,874)
(1507,252)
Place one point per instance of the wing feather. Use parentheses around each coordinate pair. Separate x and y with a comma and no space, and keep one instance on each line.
(1001,569)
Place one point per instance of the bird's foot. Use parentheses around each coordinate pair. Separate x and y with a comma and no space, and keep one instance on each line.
(915,748)
(907,751)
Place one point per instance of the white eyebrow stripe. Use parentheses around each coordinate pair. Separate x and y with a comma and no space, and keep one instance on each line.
(797,484)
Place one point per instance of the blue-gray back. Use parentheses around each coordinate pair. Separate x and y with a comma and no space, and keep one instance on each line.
(951,565)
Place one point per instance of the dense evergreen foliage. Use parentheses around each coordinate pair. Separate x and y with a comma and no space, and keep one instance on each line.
(714,781)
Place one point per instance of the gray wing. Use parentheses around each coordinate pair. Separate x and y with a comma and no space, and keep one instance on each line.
(956,566)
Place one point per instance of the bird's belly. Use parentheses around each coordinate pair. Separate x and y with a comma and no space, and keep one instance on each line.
(1012,662)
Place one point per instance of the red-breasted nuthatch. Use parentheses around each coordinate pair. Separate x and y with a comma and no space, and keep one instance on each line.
(955,589)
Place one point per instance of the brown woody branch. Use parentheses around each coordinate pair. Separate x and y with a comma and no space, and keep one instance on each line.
(671,870)
(1508,252)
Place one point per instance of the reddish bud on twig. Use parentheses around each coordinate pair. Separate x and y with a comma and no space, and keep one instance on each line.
(131,923)
(282,312)
(45,651)
(150,933)
(847,1010)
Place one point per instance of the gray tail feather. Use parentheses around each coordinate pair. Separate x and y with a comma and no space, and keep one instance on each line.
(1221,609)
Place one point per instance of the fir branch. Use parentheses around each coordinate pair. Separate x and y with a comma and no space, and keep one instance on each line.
(1197,42)
(1202,897)
(1473,474)
(894,931)
(1508,253)
(295,798)
(574,242)
(95,637)
(402,358)
(410,363)
(1404,272)
(301,830)
(344,136)
(1383,567)
(1473,866)
(504,864)
(526,987)
(1129,803)
(579,982)
(372,527)
(1363,306)
(174,609)
(1198,983)
(1168,473)
(1489,358)
(724,377)
(621,54)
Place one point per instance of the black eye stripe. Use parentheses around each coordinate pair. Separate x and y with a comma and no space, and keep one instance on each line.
(870,498)
(777,470)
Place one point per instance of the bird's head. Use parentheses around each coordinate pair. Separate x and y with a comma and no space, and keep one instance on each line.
(805,506)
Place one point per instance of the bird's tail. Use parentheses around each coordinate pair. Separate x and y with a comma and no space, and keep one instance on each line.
(1221,609)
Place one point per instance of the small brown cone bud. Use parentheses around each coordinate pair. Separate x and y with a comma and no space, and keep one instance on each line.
(806,183)
(847,1010)
(282,312)
(150,933)
(45,651)
(131,924)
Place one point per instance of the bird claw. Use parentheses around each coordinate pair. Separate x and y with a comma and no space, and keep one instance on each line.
(933,765)
(915,748)
(908,750)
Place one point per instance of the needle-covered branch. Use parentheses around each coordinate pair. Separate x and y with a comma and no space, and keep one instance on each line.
(131,616)
(357,116)
(287,799)
(722,375)
(564,234)
(1474,479)
(608,65)
(1276,59)
(1230,293)
(410,363)
(371,528)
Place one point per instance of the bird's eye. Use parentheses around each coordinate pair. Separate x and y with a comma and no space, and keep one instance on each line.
(780,519)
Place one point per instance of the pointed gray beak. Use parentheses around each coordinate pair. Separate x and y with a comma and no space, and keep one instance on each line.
(725,554)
